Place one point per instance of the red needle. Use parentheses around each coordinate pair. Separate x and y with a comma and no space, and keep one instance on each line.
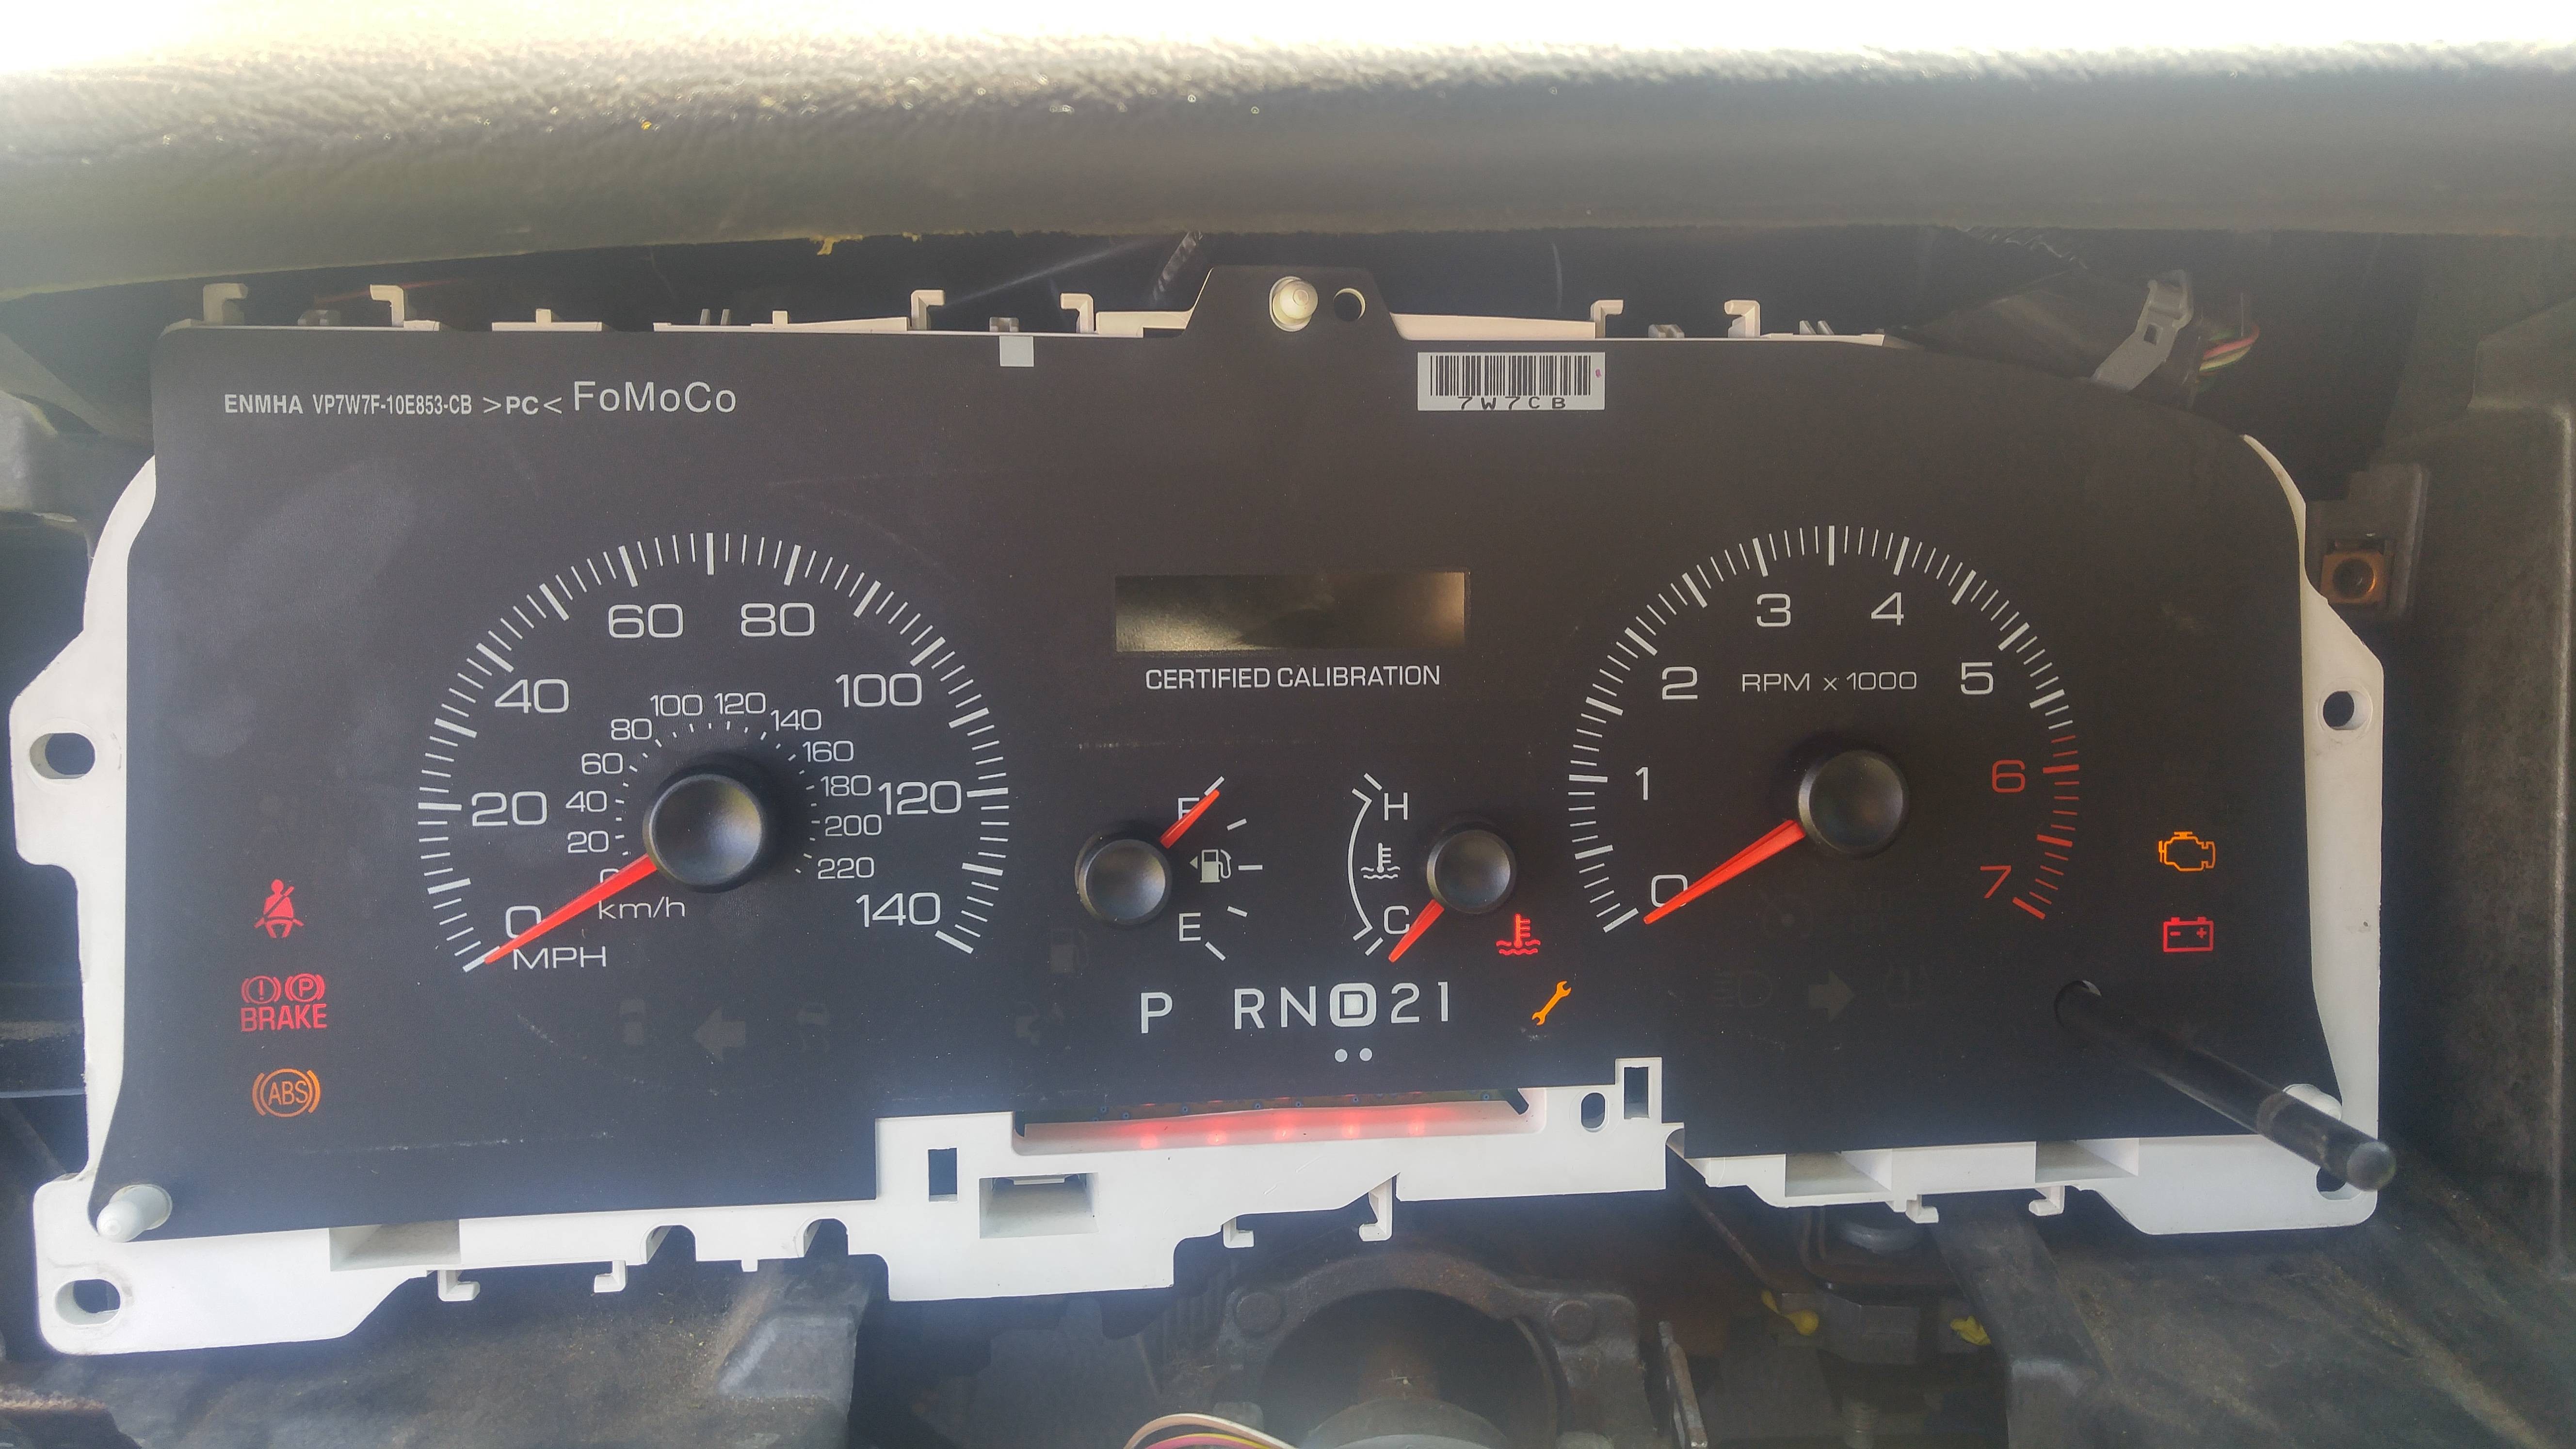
(1783,835)
(1182,826)
(634,871)
(1422,920)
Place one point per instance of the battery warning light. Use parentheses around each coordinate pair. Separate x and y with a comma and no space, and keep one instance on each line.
(2187,852)
(2182,937)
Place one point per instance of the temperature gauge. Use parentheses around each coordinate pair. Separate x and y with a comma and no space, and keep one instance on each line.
(1404,874)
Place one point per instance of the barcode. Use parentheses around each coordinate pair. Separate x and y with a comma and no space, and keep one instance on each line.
(1511,381)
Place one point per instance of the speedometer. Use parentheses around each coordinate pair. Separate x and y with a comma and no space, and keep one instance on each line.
(682,800)
(1865,707)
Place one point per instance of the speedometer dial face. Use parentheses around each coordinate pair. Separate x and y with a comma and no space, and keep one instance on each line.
(685,799)
(1821,743)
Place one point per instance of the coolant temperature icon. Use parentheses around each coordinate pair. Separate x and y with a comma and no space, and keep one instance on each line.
(1382,866)
(1522,941)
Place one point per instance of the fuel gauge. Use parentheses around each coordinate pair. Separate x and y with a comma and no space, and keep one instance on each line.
(1217,871)
(1202,869)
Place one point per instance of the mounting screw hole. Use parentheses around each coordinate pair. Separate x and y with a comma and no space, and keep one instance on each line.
(88,1301)
(63,756)
(1349,305)
(1596,1110)
(2343,710)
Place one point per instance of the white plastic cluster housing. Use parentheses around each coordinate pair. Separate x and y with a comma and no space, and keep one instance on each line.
(1086,1208)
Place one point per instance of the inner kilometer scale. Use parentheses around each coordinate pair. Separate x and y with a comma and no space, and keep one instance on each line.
(1852,689)
(695,749)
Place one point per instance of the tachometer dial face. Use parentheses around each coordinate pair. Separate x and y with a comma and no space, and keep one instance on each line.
(683,800)
(1825,739)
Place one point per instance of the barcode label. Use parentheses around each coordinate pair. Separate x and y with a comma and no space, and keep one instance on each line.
(1498,382)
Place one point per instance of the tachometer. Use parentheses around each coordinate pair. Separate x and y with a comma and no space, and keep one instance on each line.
(681,800)
(1865,707)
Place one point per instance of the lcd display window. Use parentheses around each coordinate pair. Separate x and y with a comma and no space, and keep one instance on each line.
(1225,613)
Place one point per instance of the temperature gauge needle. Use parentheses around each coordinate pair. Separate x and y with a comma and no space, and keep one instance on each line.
(1422,920)
(1181,827)
(634,871)
(1783,835)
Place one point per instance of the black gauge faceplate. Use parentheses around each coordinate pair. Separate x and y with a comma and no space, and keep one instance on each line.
(346,517)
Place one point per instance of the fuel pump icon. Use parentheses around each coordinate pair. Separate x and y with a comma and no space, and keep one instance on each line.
(1214,865)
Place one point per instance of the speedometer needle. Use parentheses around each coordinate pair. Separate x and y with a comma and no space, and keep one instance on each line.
(633,871)
(1781,836)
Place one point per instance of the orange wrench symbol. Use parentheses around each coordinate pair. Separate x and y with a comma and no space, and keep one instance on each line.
(1562,991)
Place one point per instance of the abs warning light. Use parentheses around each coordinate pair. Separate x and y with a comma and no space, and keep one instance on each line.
(2186,936)
(285,1092)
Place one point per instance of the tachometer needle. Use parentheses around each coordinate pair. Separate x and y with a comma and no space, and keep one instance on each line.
(1422,920)
(1783,835)
(634,871)
(1182,826)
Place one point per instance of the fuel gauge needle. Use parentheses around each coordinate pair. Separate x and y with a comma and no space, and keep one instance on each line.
(1780,837)
(633,871)
(1422,920)
(1172,835)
